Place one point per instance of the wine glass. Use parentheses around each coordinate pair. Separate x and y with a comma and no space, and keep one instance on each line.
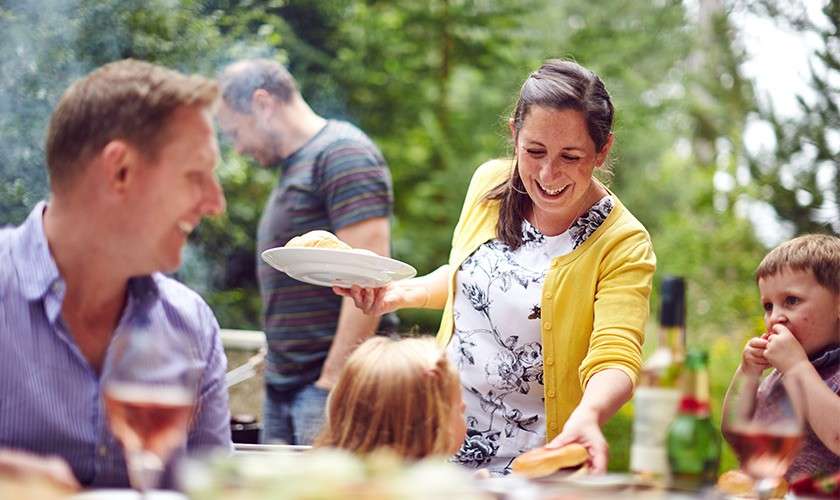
(149,389)
(764,422)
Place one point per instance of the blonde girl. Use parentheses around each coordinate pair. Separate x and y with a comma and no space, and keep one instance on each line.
(400,394)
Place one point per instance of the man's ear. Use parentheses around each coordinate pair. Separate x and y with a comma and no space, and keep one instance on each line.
(262,103)
(118,163)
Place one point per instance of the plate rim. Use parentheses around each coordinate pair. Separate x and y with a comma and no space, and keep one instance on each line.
(398,271)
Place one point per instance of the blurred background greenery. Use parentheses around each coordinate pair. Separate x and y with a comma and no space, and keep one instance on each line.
(433,82)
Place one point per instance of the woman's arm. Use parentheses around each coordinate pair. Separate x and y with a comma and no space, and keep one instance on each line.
(605,393)
(424,292)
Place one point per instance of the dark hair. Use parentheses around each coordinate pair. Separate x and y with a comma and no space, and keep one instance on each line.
(558,84)
(240,80)
(130,100)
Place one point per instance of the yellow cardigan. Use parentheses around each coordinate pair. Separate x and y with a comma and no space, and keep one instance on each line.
(594,300)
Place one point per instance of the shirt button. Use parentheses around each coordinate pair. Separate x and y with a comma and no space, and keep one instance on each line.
(547,325)
(103,450)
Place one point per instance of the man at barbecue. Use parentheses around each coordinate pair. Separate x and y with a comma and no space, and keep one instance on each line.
(131,153)
(331,177)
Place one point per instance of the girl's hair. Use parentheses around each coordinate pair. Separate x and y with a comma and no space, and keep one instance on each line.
(392,393)
(818,253)
(558,84)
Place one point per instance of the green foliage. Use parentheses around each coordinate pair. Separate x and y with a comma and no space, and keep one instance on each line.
(800,175)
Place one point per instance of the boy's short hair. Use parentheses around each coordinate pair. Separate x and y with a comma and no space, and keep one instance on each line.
(818,253)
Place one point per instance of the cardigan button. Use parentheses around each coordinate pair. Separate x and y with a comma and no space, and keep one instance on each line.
(547,325)
(549,361)
(548,295)
(551,393)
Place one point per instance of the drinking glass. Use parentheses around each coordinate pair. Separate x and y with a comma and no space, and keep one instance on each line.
(765,437)
(149,389)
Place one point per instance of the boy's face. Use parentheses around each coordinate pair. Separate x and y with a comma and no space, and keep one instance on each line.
(810,311)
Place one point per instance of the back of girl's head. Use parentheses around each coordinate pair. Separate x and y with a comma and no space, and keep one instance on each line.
(818,253)
(392,393)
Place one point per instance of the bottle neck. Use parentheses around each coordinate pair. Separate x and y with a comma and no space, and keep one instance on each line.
(673,337)
(695,400)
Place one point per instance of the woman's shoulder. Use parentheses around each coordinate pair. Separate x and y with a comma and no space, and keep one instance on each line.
(622,222)
(491,173)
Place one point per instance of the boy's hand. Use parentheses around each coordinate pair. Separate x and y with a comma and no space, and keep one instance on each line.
(753,361)
(783,351)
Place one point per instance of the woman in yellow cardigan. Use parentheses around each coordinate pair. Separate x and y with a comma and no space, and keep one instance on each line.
(545,295)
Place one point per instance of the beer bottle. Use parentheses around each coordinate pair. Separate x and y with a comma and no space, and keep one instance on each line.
(693,441)
(657,394)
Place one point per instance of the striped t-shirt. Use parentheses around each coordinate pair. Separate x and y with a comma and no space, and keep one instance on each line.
(338,178)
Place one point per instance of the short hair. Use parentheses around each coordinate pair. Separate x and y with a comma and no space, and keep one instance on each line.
(240,80)
(818,253)
(394,394)
(130,100)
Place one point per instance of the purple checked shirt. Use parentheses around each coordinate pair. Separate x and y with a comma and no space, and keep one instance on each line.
(50,397)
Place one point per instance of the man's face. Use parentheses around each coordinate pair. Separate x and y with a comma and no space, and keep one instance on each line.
(174,193)
(246,134)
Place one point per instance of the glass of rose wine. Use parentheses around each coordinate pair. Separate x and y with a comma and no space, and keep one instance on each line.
(149,390)
(766,436)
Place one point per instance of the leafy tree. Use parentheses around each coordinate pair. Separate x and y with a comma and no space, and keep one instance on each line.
(799,175)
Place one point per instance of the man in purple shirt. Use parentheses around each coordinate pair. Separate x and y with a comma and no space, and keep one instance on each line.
(131,155)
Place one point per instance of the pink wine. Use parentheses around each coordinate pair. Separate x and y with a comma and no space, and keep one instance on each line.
(149,418)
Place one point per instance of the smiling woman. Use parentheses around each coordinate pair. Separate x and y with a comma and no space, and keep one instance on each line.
(545,295)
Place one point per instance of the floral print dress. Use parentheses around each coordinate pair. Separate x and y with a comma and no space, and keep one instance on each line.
(496,343)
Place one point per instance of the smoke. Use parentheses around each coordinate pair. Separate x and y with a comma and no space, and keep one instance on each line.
(37,62)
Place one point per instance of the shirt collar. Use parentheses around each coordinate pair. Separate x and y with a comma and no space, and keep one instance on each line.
(38,272)
(32,258)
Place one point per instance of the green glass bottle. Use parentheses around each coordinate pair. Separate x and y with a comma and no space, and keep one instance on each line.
(693,441)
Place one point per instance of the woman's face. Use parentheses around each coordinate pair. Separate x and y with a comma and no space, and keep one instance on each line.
(556,159)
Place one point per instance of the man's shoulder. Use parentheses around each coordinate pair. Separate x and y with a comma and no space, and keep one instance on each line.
(7,235)
(344,137)
(180,297)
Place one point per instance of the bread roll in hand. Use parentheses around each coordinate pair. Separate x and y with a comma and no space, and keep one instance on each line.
(544,461)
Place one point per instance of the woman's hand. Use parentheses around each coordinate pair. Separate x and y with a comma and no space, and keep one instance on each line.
(376,301)
(582,427)
(753,361)
(783,351)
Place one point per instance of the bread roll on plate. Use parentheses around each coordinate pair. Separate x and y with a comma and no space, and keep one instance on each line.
(544,461)
(317,239)
(739,484)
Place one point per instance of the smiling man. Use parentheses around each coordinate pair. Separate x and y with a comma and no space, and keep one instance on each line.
(131,155)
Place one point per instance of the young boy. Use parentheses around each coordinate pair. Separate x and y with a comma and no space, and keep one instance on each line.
(799,282)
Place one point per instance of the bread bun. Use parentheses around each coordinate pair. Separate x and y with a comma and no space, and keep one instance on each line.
(543,461)
(737,483)
(318,239)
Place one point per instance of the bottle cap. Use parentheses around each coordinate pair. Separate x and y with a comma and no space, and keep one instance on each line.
(672,292)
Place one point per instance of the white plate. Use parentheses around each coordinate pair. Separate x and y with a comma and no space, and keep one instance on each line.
(126,494)
(330,267)
(609,480)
